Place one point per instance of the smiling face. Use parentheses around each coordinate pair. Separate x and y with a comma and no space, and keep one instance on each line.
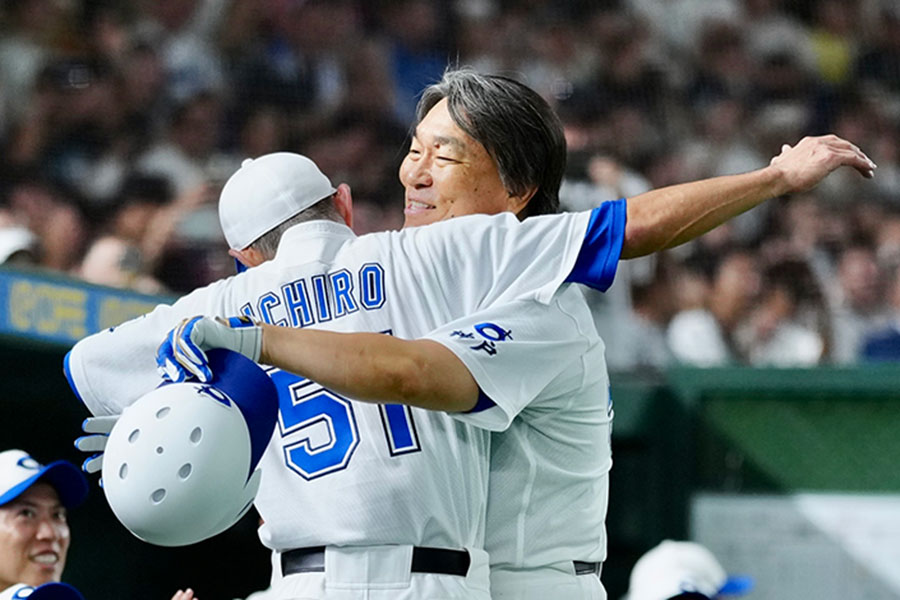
(448,174)
(34,537)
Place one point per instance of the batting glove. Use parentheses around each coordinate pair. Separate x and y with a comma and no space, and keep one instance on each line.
(98,428)
(182,355)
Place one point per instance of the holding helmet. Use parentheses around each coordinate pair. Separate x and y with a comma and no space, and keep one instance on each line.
(180,463)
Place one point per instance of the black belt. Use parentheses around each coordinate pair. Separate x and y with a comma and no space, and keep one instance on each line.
(424,560)
(587,568)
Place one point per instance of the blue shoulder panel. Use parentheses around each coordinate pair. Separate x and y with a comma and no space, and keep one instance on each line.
(599,255)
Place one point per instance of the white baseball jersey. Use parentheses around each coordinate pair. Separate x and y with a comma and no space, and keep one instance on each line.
(344,473)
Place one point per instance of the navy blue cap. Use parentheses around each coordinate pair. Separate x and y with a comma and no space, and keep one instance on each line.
(48,591)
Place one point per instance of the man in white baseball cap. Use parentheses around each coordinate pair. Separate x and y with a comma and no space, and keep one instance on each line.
(683,570)
(278,187)
(34,534)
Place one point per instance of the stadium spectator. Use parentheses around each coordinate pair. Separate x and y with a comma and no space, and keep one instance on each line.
(789,326)
(858,298)
(883,345)
(707,336)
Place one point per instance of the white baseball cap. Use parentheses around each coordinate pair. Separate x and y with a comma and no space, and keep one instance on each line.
(48,591)
(267,191)
(674,568)
(180,463)
(18,472)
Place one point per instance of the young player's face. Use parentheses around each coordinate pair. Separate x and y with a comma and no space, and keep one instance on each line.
(447,174)
(34,537)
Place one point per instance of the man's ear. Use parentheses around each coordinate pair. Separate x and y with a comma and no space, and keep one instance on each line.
(517,204)
(343,201)
(249,257)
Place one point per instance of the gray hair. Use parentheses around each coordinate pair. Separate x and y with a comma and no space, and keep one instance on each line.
(323,210)
(515,125)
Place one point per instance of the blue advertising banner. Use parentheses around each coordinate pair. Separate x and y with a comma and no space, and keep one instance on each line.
(51,308)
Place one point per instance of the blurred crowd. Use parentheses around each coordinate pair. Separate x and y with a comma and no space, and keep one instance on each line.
(121,119)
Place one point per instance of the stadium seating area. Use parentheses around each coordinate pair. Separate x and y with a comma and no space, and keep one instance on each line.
(119,121)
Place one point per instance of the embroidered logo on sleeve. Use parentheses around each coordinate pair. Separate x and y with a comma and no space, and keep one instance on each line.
(491,334)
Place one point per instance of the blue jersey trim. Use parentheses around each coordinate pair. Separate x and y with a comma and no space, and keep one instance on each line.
(68,371)
(602,247)
(483,403)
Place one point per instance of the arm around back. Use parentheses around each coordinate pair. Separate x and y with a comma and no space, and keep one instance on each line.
(374,367)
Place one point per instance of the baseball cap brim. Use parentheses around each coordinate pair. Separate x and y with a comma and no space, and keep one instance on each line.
(737,585)
(65,478)
(253,393)
(55,591)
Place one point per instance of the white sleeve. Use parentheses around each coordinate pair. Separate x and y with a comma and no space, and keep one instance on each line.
(111,369)
(514,351)
(490,259)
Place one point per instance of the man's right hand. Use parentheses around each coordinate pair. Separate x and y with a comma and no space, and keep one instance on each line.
(182,354)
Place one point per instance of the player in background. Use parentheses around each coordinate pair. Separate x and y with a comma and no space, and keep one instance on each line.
(34,531)
(34,534)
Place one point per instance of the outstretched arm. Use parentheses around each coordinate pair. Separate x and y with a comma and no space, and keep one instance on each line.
(670,216)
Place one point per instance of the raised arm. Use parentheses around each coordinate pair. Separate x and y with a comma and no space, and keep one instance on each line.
(670,216)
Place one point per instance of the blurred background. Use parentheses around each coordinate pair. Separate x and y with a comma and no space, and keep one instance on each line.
(753,370)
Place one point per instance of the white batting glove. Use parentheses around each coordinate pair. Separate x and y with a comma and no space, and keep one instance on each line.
(98,428)
(182,355)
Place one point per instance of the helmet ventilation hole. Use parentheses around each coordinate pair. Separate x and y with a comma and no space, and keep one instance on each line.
(133,436)
(123,471)
(196,435)
(158,496)
(185,471)
(163,412)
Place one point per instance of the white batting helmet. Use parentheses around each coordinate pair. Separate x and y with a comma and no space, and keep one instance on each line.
(180,463)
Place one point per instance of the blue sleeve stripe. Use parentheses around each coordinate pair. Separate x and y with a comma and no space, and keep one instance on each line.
(68,371)
(483,403)
(602,247)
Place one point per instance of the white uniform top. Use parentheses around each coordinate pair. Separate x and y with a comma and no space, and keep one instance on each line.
(344,473)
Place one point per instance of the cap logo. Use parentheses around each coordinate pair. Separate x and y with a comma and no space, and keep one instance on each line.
(215,394)
(26,462)
(22,593)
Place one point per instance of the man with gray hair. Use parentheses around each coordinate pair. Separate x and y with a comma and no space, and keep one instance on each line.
(486,144)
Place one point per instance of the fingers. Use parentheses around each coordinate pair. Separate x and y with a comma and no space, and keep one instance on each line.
(851,155)
(188,353)
(93,464)
(187,594)
(99,424)
(91,443)
(166,364)
(173,364)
